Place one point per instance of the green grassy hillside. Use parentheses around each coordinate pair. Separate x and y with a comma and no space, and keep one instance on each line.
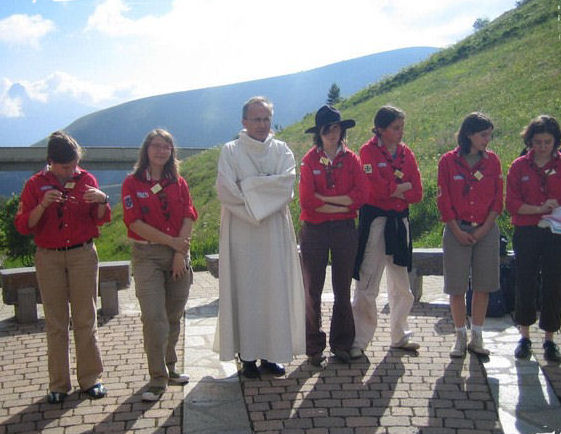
(511,70)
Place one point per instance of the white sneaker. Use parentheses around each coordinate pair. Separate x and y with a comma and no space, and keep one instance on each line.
(153,393)
(476,345)
(460,346)
(177,378)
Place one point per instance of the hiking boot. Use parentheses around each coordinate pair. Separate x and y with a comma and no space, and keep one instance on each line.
(356,353)
(318,360)
(551,352)
(476,345)
(523,349)
(459,348)
(342,355)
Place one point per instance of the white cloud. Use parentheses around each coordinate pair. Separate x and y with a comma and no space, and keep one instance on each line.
(24,30)
(9,107)
(60,85)
(199,44)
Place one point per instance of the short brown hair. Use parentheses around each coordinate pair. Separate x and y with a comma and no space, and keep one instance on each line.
(542,124)
(62,148)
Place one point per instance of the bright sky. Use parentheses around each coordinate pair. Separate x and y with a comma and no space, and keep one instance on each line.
(104,52)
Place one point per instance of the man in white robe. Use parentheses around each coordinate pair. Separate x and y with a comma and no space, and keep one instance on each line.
(262,304)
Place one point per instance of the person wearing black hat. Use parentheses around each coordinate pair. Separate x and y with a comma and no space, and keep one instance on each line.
(384,235)
(332,188)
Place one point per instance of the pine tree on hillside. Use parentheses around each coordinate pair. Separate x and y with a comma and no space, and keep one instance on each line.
(333,96)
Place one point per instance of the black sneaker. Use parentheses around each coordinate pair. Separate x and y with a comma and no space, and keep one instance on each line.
(523,349)
(551,352)
(273,368)
(249,369)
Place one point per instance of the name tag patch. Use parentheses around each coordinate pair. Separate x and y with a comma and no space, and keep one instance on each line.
(458,178)
(142,194)
(382,164)
(316,172)
(525,178)
(46,187)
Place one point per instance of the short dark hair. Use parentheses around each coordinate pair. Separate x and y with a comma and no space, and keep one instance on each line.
(473,123)
(62,148)
(317,136)
(542,124)
(385,116)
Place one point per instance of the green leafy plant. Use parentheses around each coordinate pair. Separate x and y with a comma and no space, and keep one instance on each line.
(15,245)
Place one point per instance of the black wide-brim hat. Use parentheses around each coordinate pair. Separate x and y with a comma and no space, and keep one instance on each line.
(327,115)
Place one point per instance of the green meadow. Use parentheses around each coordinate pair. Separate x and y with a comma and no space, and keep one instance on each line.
(510,70)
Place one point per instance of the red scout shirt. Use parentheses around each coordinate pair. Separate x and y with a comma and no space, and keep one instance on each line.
(342,176)
(161,204)
(469,193)
(385,172)
(533,185)
(63,224)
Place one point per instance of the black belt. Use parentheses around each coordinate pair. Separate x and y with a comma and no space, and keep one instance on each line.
(75,246)
(473,224)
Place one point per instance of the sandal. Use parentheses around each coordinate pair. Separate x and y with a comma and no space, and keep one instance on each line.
(56,397)
(97,391)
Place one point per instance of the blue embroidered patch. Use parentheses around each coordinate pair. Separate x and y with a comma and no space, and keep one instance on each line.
(128,202)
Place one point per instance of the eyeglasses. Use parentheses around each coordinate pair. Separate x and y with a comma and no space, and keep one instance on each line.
(161,147)
(260,120)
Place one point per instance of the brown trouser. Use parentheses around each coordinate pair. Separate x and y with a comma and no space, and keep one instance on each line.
(162,303)
(316,241)
(70,277)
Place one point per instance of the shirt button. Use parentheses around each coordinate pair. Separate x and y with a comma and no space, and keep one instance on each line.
(67,241)
(167,229)
(471,203)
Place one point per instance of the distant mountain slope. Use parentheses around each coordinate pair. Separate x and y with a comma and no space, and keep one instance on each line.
(511,70)
(211,116)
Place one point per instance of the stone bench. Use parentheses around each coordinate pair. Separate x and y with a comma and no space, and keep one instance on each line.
(426,262)
(20,289)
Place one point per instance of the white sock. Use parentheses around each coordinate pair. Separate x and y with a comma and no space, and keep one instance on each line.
(476,329)
(461,330)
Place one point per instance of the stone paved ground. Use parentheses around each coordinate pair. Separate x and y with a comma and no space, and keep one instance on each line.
(24,378)
(388,391)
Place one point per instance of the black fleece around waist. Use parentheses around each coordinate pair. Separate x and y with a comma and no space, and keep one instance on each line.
(397,242)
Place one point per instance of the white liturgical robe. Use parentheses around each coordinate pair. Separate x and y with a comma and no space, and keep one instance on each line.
(262,304)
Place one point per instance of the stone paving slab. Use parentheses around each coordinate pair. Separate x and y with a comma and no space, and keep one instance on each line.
(385,392)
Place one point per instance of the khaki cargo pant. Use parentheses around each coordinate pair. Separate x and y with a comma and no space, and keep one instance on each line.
(162,303)
(70,277)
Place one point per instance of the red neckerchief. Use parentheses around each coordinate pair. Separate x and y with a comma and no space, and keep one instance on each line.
(160,193)
(542,172)
(396,163)
(469,173)
(66,191)
(331,165)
